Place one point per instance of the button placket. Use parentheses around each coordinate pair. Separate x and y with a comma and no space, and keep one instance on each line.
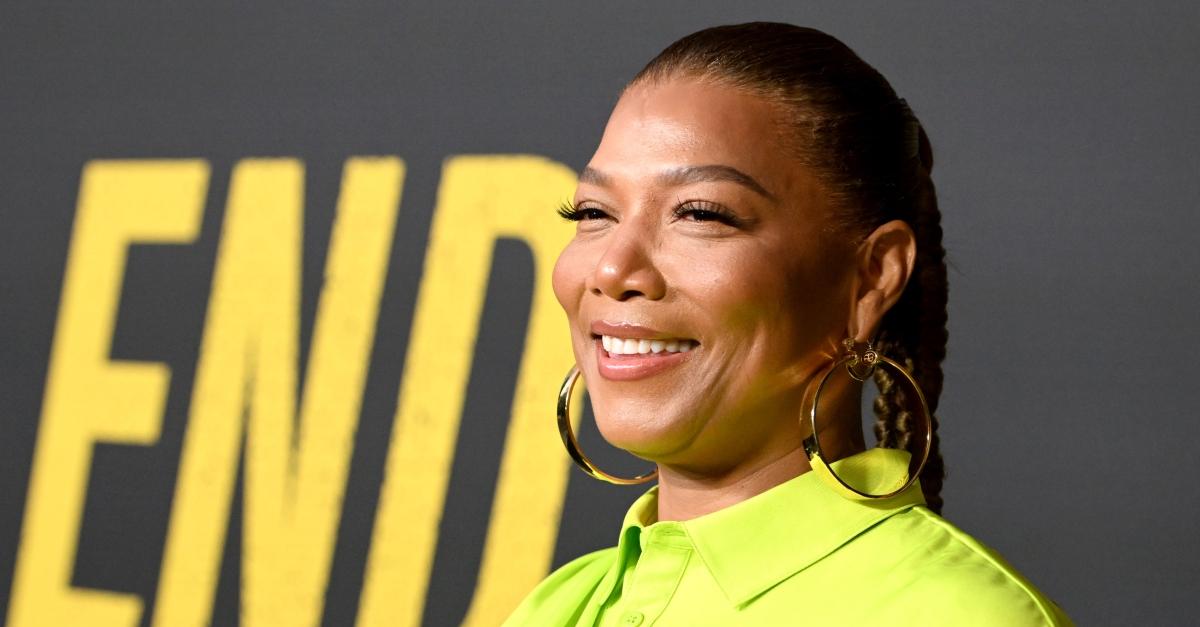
(666,550)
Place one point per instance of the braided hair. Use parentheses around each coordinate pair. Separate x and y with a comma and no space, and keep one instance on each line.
(870,152)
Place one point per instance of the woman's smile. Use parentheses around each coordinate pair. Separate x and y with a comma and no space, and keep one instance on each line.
(627,352)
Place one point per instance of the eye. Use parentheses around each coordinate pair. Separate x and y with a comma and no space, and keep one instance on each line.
(704,211)
(569,211)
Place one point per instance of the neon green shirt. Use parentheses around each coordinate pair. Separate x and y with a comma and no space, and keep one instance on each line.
(797,554)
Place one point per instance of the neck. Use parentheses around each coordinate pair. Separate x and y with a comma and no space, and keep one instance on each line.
(683,496)
(685,493)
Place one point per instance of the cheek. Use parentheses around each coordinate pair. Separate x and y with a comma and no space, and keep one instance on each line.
(568,279)
(775,305)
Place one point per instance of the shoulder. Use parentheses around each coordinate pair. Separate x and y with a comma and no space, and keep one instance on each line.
(565,592)
(955,579)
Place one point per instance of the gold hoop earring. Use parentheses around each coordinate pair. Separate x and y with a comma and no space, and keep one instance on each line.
(568,438)
(860,364)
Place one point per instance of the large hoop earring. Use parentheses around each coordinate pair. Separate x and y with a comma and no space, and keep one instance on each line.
(860,364)
(568,438)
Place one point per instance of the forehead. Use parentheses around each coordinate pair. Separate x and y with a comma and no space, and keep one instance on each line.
(688,121)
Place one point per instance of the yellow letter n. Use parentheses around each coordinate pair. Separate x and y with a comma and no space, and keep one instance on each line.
(246,381)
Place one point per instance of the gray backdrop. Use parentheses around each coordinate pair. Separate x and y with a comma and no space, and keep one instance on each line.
(1065,139)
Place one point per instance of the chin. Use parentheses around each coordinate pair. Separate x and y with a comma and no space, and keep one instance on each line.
(647,430)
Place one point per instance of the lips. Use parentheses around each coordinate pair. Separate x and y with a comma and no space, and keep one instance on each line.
(627,352)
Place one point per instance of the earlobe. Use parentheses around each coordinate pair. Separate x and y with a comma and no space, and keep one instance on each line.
(885,264)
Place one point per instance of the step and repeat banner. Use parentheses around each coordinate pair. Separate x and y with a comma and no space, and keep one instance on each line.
(278,343)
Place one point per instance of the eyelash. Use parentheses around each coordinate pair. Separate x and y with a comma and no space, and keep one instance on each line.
(711,212)
(568,211)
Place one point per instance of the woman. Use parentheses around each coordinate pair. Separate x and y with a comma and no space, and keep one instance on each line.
(758,234)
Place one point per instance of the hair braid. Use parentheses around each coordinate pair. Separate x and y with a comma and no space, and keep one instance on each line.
(914,334)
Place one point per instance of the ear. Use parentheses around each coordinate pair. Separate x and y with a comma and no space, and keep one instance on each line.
(885,261)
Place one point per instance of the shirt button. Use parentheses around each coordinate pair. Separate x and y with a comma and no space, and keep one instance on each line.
(632,619)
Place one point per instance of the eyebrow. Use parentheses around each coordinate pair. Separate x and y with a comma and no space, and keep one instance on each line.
(687,174)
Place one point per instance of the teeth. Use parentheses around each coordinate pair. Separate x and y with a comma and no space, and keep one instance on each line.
(622,346)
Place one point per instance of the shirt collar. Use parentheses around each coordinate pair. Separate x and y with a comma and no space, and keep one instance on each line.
(792,525)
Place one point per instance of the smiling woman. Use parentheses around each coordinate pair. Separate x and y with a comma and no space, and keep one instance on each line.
(758,230)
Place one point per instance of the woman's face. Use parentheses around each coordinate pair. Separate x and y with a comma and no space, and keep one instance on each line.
(703,286)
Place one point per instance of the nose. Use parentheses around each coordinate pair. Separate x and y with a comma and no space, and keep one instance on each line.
(626,269)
